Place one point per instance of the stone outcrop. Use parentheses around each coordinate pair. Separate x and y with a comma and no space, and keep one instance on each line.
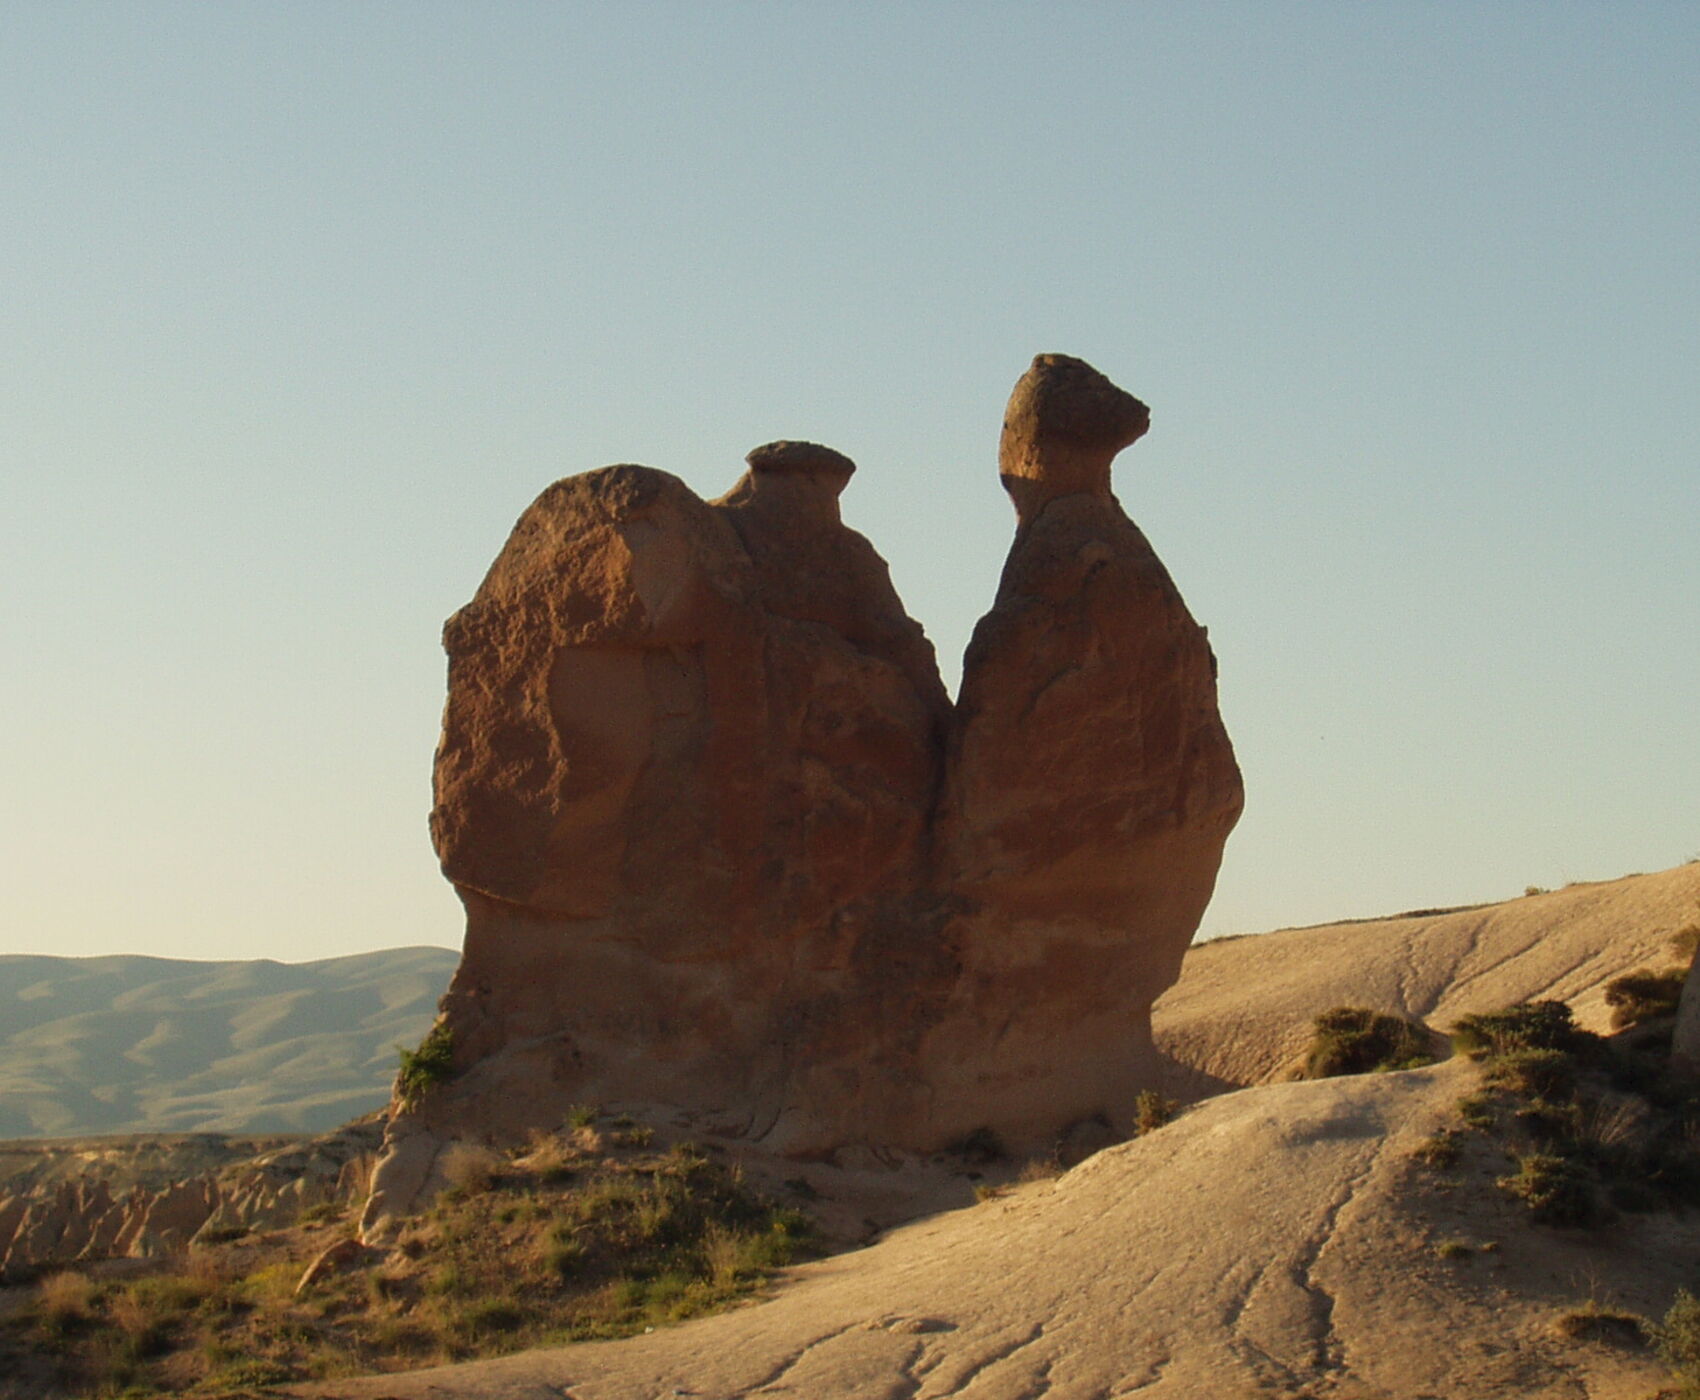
(726,846)
(72,1209)
(1090,783)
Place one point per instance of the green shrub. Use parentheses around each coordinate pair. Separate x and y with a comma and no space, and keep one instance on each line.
(1454,1249)
(1529,1025)
(1356,1040)
(1152,1111)
(1476,1111)
(1439,1151)
(1643,996)
(1532,1074)
(1557,1190)
(1677,1339)
(423,1069)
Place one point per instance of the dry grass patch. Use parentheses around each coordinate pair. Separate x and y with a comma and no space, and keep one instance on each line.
(544,1245)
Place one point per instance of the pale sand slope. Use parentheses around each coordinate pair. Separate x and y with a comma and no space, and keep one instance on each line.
(1242,1009)
(1276,1241)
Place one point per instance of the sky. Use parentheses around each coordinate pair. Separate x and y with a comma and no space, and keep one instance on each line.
(305,303)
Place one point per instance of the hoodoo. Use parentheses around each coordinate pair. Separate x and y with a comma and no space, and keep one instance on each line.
(730,857)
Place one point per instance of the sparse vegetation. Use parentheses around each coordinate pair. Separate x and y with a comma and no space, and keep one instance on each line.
(1152,1111)
(1439,1151)
(1593,1322)
(1677,1338)
(1357,1040)
(422,1069)
(1455,1249)
(545,1244)
(1593,1125)
(1642,996)
(1527,1025)
(1558,1190)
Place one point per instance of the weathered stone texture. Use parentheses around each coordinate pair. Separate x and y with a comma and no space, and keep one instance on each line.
(726,845)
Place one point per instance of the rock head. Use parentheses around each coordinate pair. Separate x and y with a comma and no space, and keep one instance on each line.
(729,853)
(1063,427)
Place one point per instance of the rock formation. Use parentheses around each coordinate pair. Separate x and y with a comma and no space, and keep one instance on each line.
(726,846)
(84,1200)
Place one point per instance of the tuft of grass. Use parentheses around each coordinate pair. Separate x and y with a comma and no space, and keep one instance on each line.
(1532,1074)
(1532,1025)
(1152,1111)
(1439,1151)
(422,1069)
(1455,1249)
(65,1301)
(583,1115)
(1557,1190)
(1642,996)
(1676,1337)
(470,1167)
(1593,1322)
(1476,1110)
(1357,1040)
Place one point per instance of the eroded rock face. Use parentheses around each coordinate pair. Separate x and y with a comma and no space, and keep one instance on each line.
(51,1217)
(1090,783)
(726,846)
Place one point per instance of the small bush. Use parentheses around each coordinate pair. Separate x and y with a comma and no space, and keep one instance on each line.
(1557,1190)
(583,1115)
(1152,1111)
(1530,1025)
(1677,1339)
(1356,1040)
(423,1069)
(1439,1151)
(65,1301)
(1643,996)
(1593,1323)
(1454,1249)
(471,1168)
(1476,1111)
(1532,1074)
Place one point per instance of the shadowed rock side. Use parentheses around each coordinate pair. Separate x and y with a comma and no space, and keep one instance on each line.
(689,791)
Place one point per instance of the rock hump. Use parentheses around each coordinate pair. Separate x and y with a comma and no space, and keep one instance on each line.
(729,852)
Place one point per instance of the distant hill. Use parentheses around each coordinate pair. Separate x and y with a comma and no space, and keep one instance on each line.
(131,1044)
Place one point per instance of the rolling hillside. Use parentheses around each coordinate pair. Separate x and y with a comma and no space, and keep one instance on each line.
(132,1044)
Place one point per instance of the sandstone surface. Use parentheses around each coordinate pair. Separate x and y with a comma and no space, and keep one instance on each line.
(728,851)
(1241,1011)
(1090,784)
(1279,1241)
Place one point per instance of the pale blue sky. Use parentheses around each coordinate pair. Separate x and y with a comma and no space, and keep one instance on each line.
(304,304)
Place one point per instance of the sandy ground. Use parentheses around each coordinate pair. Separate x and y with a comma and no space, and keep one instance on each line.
(1276,1241)
(1242,1009)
